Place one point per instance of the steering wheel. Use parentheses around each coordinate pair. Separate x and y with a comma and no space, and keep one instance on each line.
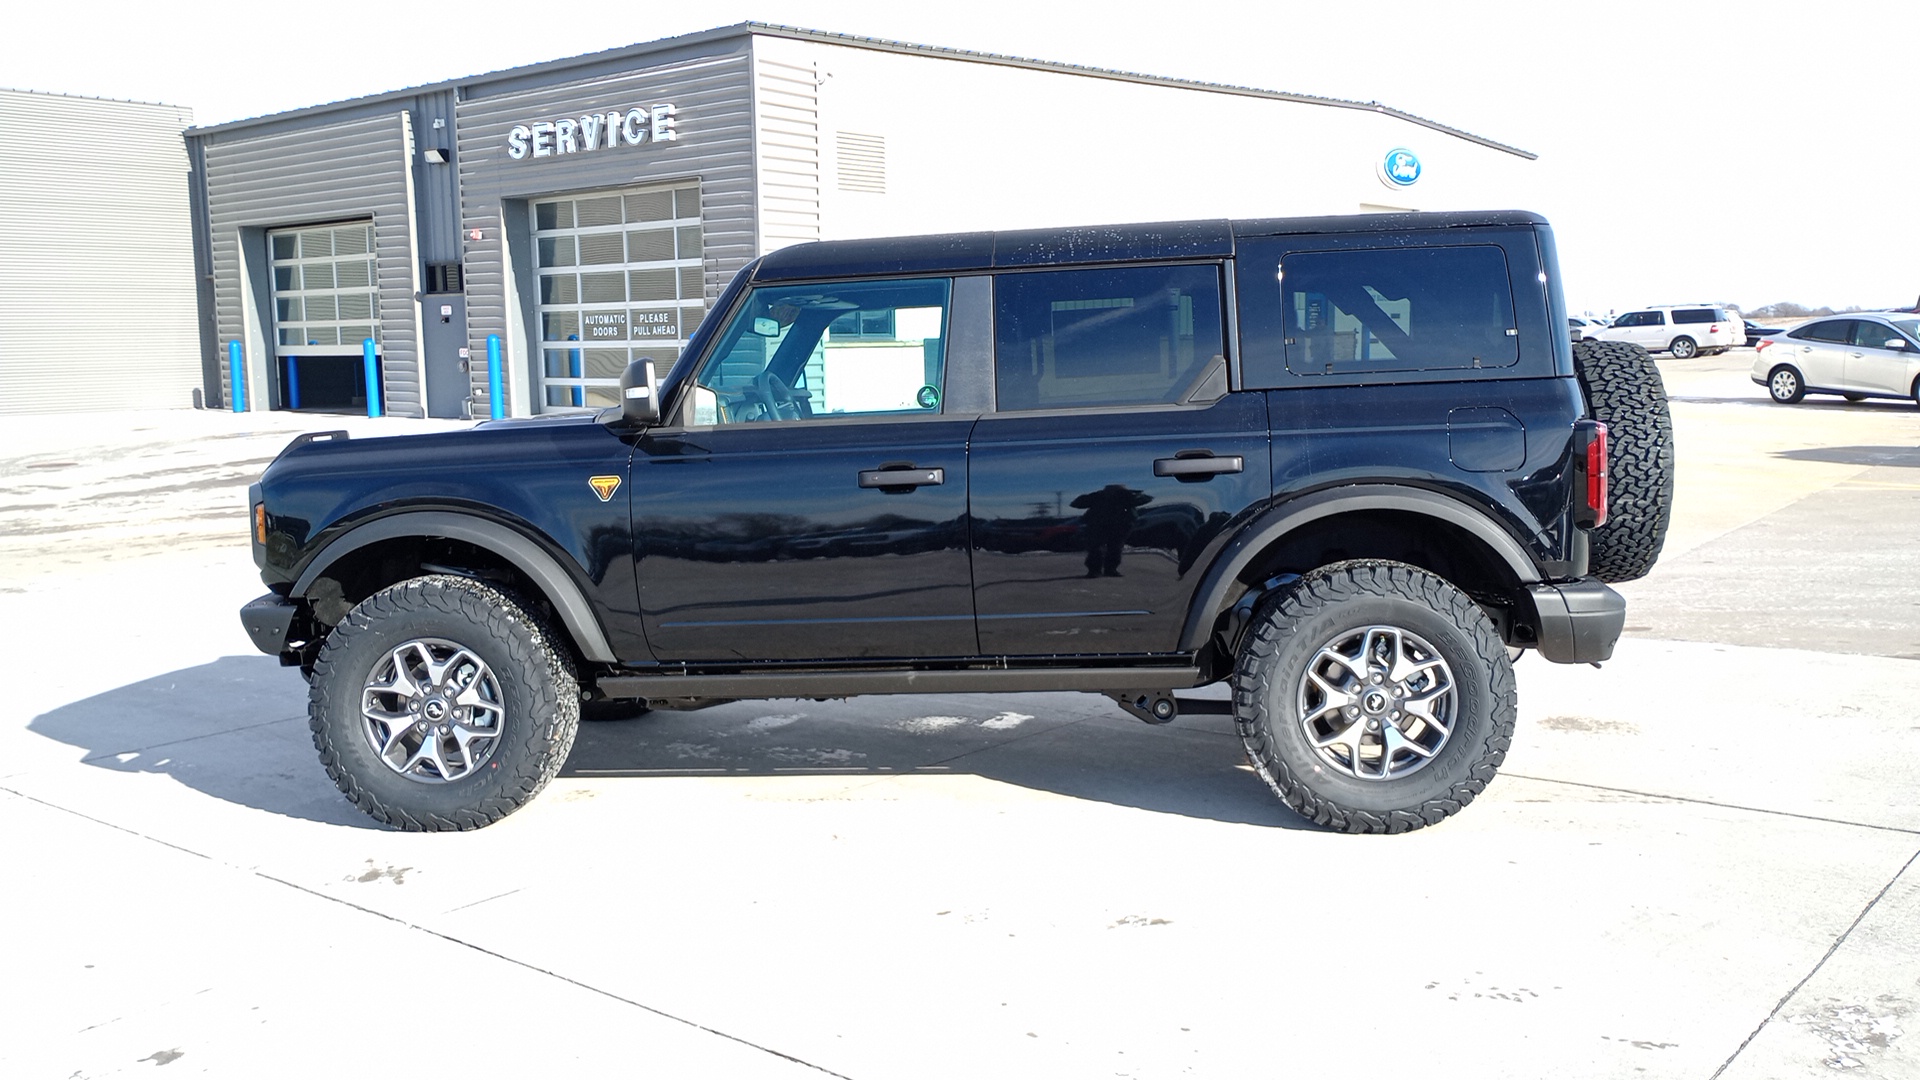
(778,400)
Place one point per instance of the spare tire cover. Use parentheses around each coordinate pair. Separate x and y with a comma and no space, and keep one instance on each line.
(1625,392)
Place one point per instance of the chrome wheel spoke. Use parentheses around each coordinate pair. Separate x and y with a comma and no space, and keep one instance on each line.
(1426,709)
(1377,702)
(432,710)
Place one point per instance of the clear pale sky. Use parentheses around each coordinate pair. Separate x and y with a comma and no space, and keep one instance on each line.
(1689,149)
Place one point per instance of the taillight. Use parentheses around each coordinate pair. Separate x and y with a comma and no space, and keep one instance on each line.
(1761,345)
(1594,513)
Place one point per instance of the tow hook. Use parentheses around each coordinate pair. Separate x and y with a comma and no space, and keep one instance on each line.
(1157,707)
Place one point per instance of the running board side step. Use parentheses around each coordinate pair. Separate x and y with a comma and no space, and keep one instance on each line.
(1152,681)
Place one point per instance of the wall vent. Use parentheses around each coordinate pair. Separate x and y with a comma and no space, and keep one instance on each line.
(862,162)
(443,278)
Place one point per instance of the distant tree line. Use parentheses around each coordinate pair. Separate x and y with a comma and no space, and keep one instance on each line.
(1786,310)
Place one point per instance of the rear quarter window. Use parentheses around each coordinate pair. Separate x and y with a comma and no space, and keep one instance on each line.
(1699,315)
(1836,331)
(1388,309)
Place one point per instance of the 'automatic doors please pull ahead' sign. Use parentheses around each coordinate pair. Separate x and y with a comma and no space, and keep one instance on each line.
(595,131)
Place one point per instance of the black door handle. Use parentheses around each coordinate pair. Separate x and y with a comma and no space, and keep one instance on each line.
(1200,465)
(902,479)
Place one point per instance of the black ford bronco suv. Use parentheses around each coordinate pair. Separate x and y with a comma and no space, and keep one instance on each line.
(1352,465)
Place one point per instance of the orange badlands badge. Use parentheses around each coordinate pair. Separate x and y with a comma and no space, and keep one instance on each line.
(604,486)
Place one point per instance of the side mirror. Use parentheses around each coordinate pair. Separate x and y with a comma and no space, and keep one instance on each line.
(1895,343)
(640,393)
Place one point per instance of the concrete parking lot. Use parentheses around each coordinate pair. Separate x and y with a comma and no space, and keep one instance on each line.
(1700,860)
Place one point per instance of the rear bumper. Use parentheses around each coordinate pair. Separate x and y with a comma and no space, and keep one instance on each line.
(268,620)
(1579,621)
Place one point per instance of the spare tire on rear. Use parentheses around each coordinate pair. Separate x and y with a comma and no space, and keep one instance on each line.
(1625,392)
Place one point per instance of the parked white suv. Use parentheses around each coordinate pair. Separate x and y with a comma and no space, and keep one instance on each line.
(1682,330)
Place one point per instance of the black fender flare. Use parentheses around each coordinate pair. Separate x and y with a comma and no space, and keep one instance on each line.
(1220,589)
(546,573)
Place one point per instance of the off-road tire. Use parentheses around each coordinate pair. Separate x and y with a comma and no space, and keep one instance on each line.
(1288,631)
(539,697)
(1625,392)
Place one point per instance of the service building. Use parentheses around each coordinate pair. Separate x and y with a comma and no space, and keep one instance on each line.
(584,212)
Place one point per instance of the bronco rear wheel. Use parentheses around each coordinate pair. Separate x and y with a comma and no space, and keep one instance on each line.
(440,703)
(1625,393)
(1374,697)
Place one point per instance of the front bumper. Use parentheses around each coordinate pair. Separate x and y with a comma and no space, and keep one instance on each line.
(1579,621)
(269,619)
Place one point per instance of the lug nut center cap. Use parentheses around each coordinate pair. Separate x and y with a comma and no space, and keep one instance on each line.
(1375,701)
(435,710)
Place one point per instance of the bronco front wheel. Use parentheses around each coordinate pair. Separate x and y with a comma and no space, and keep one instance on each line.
(1374,697)
(440,703)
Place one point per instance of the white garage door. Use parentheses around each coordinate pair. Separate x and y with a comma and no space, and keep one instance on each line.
(620,280)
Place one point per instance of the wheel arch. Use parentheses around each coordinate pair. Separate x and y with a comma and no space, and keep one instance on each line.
(1250,556)
(540,569)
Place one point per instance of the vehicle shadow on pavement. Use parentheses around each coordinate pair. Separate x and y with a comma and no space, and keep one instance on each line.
(1077,745)
(235,729)
(1908,456)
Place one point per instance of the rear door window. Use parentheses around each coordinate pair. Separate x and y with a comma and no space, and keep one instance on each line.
(1140,335)
(1873,335)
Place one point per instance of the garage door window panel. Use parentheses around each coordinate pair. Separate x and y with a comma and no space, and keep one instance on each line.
(621,279)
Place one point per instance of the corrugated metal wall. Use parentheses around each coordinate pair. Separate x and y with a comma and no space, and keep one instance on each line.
(353,170)
(787,100)
(96,256)
(713,98)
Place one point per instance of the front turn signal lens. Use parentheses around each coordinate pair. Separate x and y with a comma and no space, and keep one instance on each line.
(260,524)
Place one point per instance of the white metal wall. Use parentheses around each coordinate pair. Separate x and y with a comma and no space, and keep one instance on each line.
(96,256)
(914,143)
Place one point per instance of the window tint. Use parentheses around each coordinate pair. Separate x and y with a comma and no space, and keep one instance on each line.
(1699,315)
(797,352)
(1397,310)
(1872,335)
(1127,336)
(1837,331)
(1640,318)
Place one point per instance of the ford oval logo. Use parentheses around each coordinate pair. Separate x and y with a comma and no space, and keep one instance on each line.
(1400,167)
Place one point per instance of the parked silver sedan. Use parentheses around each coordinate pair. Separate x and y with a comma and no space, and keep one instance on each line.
(1858,355)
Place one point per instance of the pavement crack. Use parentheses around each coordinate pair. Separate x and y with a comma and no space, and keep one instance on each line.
(1834,948)
(1903,830)
(505,959)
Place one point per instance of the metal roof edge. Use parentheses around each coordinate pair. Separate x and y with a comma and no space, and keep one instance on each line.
(971,56)
(644,48)
(797,33)
(188,109)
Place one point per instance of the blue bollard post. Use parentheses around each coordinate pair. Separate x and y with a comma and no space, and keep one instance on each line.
(495,401)
(293,382)
(237,374)
(373,377)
